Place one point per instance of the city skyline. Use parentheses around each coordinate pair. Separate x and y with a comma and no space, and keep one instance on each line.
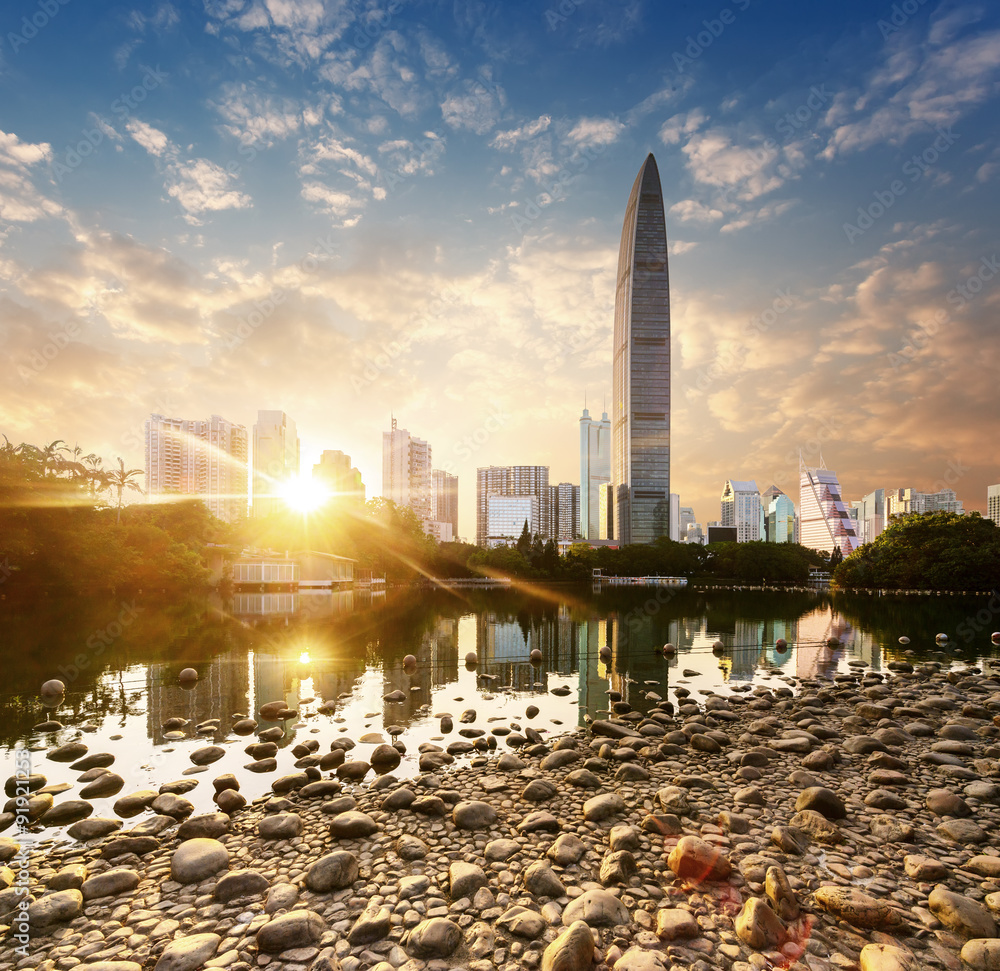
(208,208)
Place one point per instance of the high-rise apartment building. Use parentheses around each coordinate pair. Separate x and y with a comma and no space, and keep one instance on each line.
(640,465)
(675,517)
(203,459)
(606,528)
(777,511)
(275,459)
(567,507)
(993,503)
(506,518)
(685,519)
(741,508)
(406,472)
(446,500)
(338,477)
(824,522)
(870,515)
(903,502)
(595,471)
(513,480)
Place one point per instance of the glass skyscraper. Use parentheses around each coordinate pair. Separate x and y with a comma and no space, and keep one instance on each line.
(595,472)
(640,466)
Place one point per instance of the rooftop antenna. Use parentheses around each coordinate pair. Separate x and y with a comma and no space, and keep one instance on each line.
(393,417)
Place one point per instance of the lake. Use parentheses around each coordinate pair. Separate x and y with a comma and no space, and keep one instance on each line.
(345,652)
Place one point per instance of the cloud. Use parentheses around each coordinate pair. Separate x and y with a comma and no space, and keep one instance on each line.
(474,106)
(595,131)
(21,200)
(677,247)
(152,139)
(674,128)
(692,211)
(507,139)
(256,118)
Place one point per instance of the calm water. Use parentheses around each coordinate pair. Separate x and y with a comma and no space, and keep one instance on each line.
(120,662)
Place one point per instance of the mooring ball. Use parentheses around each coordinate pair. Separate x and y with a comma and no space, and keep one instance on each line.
(53,687)
(833,642)
(781,645)
(188,674)
(669,650)
(941,638)
(536,656)
(409,661)
(718,647)
(471,659)
(996,637)
(904,640)
(605,653)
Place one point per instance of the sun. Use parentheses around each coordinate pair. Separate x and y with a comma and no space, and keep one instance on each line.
(303,495)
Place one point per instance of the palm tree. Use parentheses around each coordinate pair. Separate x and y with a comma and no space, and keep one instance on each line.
(121,479)
(97,475)
(49,456)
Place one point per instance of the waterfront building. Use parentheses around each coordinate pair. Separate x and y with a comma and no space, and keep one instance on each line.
(339,478)
(606,511)
(777,517)
(993,503)
(446,499)
(824,522)
(741,508)
(595,471)
(640,466)
(197,458)
(275,460)
(903,502)
(514,480)
(870,516)
(506,517)
(567,504)
(406,472)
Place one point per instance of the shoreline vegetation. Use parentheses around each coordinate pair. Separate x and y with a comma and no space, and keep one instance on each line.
(66,529)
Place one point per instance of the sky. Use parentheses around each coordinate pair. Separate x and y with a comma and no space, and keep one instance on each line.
(350,210)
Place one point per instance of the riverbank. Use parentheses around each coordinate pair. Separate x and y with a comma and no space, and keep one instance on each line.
(854,823)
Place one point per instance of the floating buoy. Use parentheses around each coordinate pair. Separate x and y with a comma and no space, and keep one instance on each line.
(669,650)
(409,661)
(996,637)
(536,656)
(904,640)
(53,687)
(471,659)
(718,648)
(605,653)
(833,642)
(188,674)
(942,638)
(781,645)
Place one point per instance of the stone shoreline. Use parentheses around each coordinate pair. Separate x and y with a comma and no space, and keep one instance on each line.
(855,824)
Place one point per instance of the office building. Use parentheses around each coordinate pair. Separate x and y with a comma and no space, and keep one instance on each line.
(640,465)
(675,517)
(741,508)
(606,512)
(339,478)
(506,518)
(595,472)
(685,520)
(406,473)
(870,514)
(824,522)
(275,460)
(566,501)
(446,500)
(203,459)
(778,520)
(514,480)
(993,503)
(904,502)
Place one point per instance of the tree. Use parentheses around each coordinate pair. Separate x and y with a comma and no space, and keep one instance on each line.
(524,541)
(121,479)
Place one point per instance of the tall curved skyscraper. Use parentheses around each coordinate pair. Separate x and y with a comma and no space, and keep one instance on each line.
(640,433)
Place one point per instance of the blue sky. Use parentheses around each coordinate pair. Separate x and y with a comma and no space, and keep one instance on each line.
(341,209)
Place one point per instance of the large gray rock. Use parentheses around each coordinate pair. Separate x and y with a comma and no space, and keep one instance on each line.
(240,883)
(942,802)
(522,922)
(822,800)
(69,811)
(280,826)
(106,784)
(961,914)
(352,825)
(332,872)
(198,859)
(566,850)
(758,926)
(673,923)
(602,807)
(55,908)
(207,754)
(434,938)
(373,925)
(93,828)
(572,950)
(465,879)
(695,860)
(597,908)
(206,826)
(541,880)
(110,883)
(474,815)
(298,928)
(188,953)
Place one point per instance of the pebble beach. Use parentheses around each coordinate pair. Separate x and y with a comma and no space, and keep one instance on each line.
(836,824)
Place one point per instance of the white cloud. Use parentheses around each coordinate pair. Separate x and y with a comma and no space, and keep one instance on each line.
(683,124)
(507,139)
(476,106)
(691,211)
(678,246)
(20,200)
(151,139)
(595,131)
(256,118)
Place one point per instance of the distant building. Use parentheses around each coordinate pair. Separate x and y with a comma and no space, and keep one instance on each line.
(406,472)
(606,511)
(595,472)
(741,508)
(202,459)
(446,500)
(993,503)
(870,514)
(530,481)
(903,502)
(567,506)
(441,531)
(777,517)
(338,477)
(675,517)
(685,519)
(824,522)
(694,534)
(506,517)
(275,460)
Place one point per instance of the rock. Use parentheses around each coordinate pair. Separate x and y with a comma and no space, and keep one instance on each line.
(758,926)
(188,953)
(429,806)
(322,788)
(372,925)
(230,801)
(196,860)
(280,826)
(332,872)
(474,815)
(942,802)
(573,950)
(981,954)
(540,879)
(539,821)
(110,883)
(54,908)
(207,754)
(465,879)
(68,811)
(385,758)
(107,784)
(286,783)
(205,826)
(672,923)
(779,892)
(69,752)
(170,804)
(565,851)
(985,866)
(816,826)
(71,877)
(961,914)
(434,938)
(596,908)
(822,800)
(539,790)
(624,837)
(617,868)
(411,847)
(963,831)
(352,825)
(887,957)
(925,869)
(298,928)
(240,883)
(584,779)
(694,860)
(93,828)
(282,896)
(523,922)
(884,799)
(857,907)
(602,807)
